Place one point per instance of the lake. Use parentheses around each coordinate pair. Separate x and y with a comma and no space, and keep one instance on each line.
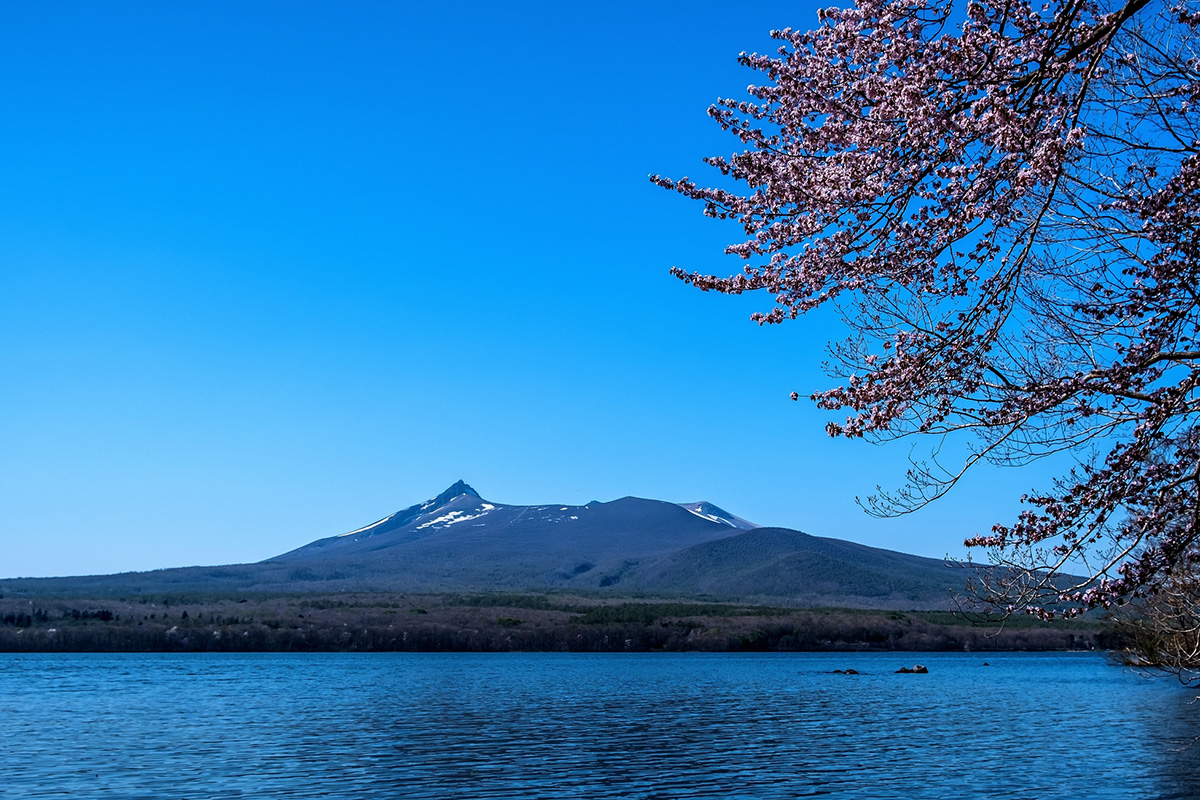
(540,725)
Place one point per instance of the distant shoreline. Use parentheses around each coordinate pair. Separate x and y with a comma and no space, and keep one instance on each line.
(383,622)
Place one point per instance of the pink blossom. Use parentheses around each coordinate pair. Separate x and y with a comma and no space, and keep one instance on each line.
(1006,211)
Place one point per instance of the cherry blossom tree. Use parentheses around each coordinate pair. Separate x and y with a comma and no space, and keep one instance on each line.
(1002,201)
(1162,630)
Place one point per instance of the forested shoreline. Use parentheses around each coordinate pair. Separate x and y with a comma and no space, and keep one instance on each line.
(497,623)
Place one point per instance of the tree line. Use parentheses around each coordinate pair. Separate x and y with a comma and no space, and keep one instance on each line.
(390,622)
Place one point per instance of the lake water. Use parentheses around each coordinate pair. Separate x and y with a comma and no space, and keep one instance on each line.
(403,725)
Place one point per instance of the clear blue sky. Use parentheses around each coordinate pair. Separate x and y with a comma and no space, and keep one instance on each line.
(271,271)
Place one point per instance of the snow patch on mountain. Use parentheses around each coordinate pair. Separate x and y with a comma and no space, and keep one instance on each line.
(446,520)
(708,511)
(711,517)
(366,527)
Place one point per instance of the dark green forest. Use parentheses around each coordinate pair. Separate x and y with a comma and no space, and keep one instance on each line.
(499,622)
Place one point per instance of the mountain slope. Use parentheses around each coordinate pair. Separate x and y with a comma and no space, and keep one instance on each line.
(808,570)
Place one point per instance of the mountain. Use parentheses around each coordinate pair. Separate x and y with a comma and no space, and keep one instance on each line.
(458,534)
(457,541)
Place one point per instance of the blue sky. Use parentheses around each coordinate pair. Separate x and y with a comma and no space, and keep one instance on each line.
(272,271)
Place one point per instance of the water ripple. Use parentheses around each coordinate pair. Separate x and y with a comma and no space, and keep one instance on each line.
(631,726)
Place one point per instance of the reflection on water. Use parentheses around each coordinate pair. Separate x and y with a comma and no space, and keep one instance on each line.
(396,725)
